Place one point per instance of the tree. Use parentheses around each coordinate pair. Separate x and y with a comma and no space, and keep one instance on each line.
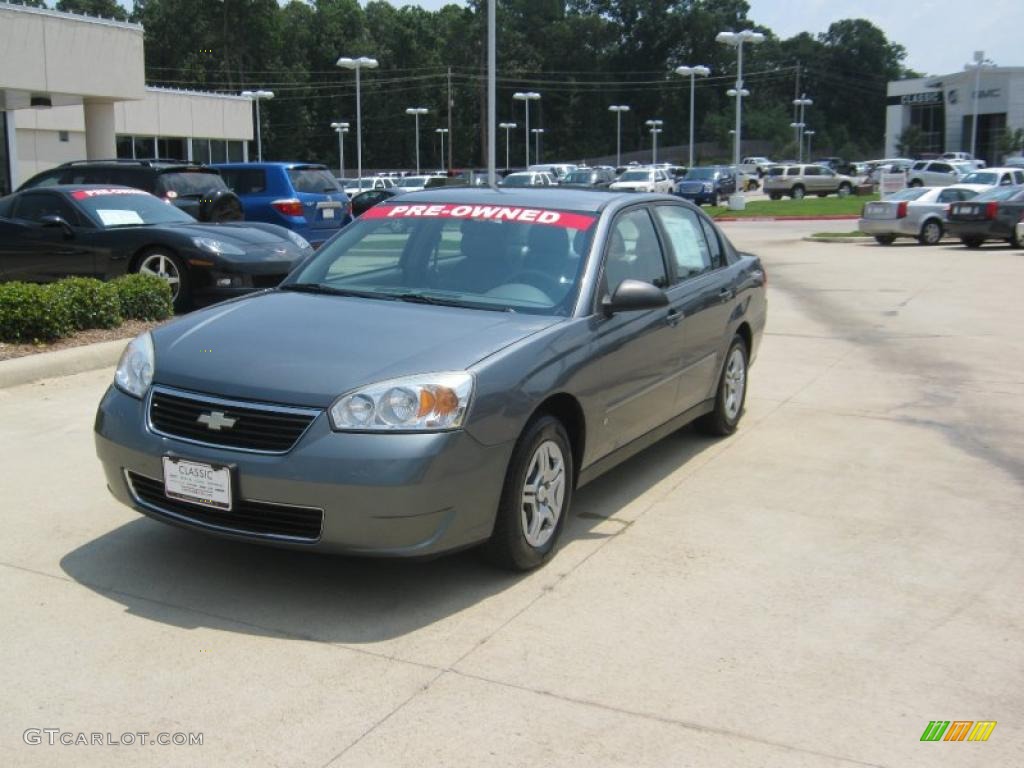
(910,142)
(108,9)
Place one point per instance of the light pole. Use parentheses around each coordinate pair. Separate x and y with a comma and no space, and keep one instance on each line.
(802,102)
(738,39)
(416,112)
(655,126)
(618,109)
(798,129)
(693,72)
(508,127)
(341,129)
(536,142)
(441,132)
(808,135)
(358,65)
(258,96)
(526,98)
(979,62)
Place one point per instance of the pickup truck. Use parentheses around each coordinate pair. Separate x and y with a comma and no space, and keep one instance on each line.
(755,165)
(798,181)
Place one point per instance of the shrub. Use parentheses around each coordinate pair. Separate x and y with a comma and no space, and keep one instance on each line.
(92,303)
(144,297)
(33,313)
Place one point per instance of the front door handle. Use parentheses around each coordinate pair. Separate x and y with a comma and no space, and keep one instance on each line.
(726,294)
(673,317)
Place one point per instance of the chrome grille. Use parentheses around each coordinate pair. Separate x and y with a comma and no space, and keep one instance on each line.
(241,425)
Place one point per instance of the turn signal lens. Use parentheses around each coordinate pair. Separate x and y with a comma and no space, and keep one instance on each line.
(433,402)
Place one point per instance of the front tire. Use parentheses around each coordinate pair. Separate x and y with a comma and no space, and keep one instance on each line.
(844,190)
(160,263)
(931,233)
(732,393)
(535,499)
(775,196)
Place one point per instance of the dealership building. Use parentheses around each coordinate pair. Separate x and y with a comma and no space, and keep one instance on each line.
(73,88)
(943,109)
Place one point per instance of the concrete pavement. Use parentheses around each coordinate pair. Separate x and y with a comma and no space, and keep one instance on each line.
(810,592)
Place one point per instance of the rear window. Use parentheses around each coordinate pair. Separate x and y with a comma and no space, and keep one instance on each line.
(312,180)
(188,184)
(911,193)
(245,181)
(999,193)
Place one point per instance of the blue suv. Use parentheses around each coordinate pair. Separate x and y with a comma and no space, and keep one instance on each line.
(303,197)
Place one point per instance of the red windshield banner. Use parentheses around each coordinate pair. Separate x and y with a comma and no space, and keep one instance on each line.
(83,194)
(483,213)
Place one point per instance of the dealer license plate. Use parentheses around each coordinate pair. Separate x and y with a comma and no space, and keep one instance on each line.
(328,213)
(197,483)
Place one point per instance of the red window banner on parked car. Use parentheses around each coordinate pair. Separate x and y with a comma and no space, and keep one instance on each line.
(545,216)
(83,194)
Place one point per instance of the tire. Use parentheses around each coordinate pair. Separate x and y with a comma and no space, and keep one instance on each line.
(729,402)
(774,196)
(931,232)
(844,190)
(714,200)
(160,262)
(885,239)
(823,194)
(1014,241)
(797,193)
(515,543)
(972,241)
(916,183)
(223,205)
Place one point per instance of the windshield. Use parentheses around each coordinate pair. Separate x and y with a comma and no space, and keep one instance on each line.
(578,177)
(188,184)
(777,171)
(413,181)
(312,180)
(999,193)
(700,174)
(979,177)
(479,256)
(128,207)
(517,180)
(911,193)
(637,176)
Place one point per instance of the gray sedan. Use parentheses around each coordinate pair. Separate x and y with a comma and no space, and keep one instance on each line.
(918,212)
(443,373)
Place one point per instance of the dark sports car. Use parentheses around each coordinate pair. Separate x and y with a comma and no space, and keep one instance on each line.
(98,231)
(992,215)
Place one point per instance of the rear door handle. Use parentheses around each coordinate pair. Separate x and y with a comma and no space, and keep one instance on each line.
(673,317)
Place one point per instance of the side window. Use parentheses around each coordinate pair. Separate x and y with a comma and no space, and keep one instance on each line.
(34,206)
(793,171)
(919,166)
(948,196)
(633,251)
(1018,177)
(47,179)
(714,244)
(1005,181)
(812,170)
(689,247)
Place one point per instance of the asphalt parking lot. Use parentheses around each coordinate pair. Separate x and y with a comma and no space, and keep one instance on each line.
(810,592)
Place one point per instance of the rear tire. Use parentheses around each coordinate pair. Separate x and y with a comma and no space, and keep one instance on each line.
(731,393)
(844,190)
(917,183)
(797,193)
(161,263)
(535,499)
(931,233)
(775,196)
(885,239)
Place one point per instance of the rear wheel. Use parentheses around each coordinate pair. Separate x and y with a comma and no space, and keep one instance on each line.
(885,239)
(917,183)
(845,189)
(535,499)
(774,196)
(931,233)
(797,193)
(167,266)
(732,393)
(972,241)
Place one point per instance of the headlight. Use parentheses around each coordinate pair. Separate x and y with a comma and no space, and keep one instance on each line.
(298,239)
(432,402)
(210,245)
(135,370)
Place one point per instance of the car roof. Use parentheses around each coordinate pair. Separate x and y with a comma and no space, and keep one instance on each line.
(274,164)
(571,199)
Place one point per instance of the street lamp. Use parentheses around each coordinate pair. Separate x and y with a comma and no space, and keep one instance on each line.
(808,135)
(693,72)
(655,126)
(797,128)
(979,62)
(536,142)
(802,102)
(738,39)
(416,112)
(341,129)
(526,98)
(258,96)
(441,132)
(358,65)
(508,127)
(618,109)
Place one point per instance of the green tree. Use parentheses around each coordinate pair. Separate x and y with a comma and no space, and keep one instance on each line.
(910,141)
(108,9)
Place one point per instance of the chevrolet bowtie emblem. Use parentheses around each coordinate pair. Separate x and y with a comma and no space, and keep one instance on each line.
(216,420)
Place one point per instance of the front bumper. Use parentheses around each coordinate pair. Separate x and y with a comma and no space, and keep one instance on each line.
(699,198)
(381,494)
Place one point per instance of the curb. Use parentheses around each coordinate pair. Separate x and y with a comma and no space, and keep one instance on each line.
(836,217)
(813,239)
(63,362)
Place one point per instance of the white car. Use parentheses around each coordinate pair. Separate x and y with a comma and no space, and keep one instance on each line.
(757,166)
(963,157)
(528,179)
(937,173)
(355,186)
(995,177)
(557,171)
(644,180)
(416,183)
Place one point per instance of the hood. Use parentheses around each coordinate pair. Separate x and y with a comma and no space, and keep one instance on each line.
(236,233)
(306,349)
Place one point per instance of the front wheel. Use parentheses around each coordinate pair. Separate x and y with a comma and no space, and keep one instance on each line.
(535,499)
(732,393)
(844,190)
(168,267)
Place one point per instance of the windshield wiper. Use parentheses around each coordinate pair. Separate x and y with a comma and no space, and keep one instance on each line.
(330,290)
(414,297)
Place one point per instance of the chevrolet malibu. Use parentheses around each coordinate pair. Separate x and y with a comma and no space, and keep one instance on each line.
(443,373)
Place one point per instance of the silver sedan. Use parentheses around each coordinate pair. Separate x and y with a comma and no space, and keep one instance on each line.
(918,212)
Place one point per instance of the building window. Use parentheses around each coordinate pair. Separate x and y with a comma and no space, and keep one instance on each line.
(63,136)
(124,148)
(218,151)
(235,152)
(200,150)
(930,119)
(172,148)
(145,147)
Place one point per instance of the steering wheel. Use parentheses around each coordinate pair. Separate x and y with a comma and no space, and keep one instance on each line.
(541,280)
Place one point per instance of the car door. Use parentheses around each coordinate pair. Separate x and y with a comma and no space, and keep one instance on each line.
(35,252)
(638,352)
(704,295)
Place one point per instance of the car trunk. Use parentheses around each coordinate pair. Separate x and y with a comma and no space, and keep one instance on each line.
(323,203)
(881,209)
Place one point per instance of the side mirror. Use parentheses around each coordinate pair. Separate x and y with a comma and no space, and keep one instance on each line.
(52,220)
(634,295)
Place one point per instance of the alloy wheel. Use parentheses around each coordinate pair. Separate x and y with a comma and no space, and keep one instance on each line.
(162,266)
(735,382)
(543,494)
